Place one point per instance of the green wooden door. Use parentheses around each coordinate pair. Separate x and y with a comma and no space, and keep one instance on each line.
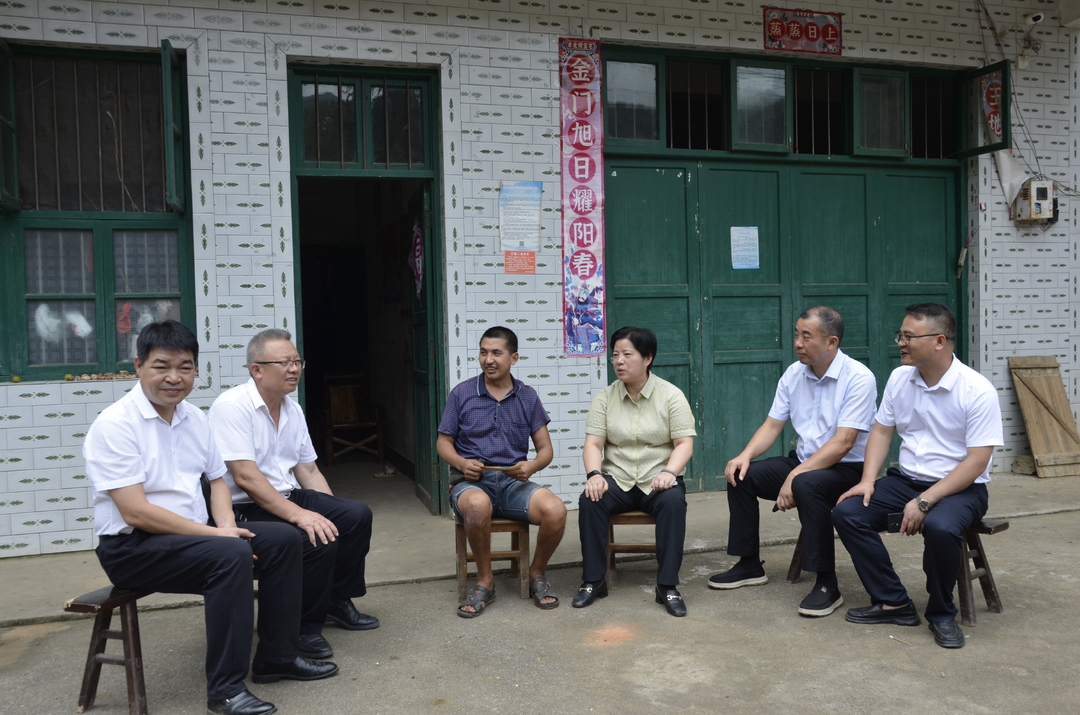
(652,276)
(865,239)
(425,408)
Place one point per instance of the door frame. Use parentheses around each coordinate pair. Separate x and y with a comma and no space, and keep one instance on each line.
(433,256)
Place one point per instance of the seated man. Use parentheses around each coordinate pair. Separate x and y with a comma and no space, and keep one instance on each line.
(949,422)
(829,398)
(484,437)
(145,455)
(264,440)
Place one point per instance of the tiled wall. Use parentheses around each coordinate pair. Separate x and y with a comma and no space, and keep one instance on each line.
(496,60)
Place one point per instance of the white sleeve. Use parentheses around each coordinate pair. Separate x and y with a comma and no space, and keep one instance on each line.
(233,431)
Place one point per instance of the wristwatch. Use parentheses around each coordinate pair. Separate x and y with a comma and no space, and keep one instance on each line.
(595,471)
(924,506)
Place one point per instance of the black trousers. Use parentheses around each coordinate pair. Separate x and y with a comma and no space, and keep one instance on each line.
(815,495)
(334,570)
(669,509)
(221,569)
(943,535)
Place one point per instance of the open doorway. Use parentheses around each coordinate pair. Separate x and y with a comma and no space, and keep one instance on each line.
(361,318)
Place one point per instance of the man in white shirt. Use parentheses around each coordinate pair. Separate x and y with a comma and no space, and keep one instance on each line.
(949,419)
(145,455)
(829,399)
(264,441)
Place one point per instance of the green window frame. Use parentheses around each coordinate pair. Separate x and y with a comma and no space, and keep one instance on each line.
(96,244)
(361,139)
(9,167)
(859,113)
(739,143)
(973,111)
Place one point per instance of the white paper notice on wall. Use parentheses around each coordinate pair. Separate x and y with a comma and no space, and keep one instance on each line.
(519,215)
(744,247)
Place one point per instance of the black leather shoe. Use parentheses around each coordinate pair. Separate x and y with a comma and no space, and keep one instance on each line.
(344,614)
(672,601)
(873,615)
(243,704)
(315,646)
(299,669)
(947,634)
(589,592)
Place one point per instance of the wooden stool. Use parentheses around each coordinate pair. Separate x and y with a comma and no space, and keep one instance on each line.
(102,603)
(973,551)
(626,519)
(518,555)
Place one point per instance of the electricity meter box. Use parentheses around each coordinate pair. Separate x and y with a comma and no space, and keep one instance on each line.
(1035,201)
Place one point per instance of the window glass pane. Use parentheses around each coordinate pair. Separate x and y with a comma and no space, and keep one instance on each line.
(311,123)
(631,99)
(329,122)
(881,105)
(397,120)
(61,332)
(134,315)
(59,262)
(416,126)
(146,261)
(378,124)
(762,110)
(348,122)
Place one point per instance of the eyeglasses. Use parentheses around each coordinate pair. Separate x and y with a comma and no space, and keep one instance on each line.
(285,364)
(902,339)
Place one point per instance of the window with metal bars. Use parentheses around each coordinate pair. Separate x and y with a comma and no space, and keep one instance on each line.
(696,106)
(91,246)
(821,112)
(352,122)
(934,112)
(90,134)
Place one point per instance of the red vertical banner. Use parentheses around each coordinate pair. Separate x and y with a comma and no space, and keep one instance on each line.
(582,161)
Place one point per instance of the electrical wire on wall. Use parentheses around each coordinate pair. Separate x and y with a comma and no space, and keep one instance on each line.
(1019,121)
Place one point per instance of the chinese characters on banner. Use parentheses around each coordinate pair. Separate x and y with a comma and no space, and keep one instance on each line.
(990,91)
(803,31)
(582,131)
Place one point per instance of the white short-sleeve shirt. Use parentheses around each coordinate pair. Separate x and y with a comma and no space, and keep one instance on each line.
(241,423)
(937,424)
(845,396)
(129,443)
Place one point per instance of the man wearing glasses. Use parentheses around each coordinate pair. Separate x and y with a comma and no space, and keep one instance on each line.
(829,399)
(264,440)
(949,421)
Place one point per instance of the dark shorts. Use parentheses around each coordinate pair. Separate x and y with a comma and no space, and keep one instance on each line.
(509,497)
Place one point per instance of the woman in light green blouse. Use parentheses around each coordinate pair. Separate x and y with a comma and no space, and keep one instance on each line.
(638,439)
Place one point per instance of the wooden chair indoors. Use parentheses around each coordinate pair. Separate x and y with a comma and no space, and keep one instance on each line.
(349,422)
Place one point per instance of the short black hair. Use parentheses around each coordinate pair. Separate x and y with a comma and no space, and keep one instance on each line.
(941,316)
(830,320)
(498,332)
(643,340)
(167,335)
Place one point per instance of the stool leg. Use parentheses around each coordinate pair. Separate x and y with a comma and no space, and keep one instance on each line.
(986,580)
(523,559)
(610,552)
(92,673)
(133,666)
(795,569)
(515,564)
(462,561)
(963,581)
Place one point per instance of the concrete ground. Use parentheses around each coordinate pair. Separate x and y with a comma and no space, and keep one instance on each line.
(746,650)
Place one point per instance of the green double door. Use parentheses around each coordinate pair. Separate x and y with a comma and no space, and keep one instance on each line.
(865,239)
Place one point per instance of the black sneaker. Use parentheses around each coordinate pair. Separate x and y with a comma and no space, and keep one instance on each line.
(821,602)
(739,575)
